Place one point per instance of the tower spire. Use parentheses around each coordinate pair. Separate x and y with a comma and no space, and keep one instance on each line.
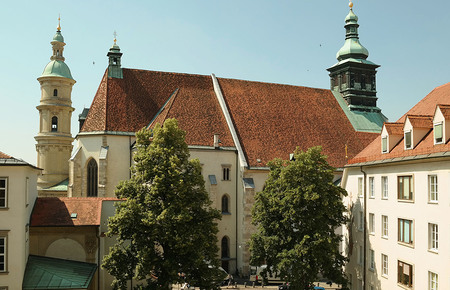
(114,56)
(354,76)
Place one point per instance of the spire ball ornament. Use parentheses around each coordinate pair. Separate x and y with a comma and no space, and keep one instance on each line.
(59,23)
(350,4)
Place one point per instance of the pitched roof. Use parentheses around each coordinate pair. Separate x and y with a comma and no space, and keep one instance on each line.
(271,120)
(7,160)
(57,211)
(394,128)
(421,121)
(427,106)
(445,109)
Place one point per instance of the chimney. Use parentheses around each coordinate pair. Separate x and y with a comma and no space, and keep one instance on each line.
(216,141)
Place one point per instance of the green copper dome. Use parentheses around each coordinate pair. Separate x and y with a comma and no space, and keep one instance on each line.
(57,68)
(351,17)
(352,48)
(58,37)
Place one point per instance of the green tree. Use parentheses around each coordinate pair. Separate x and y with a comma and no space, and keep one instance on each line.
(296,215)
(165,225)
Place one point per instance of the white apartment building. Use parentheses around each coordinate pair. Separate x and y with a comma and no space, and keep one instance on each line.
(399,199)
(18,192)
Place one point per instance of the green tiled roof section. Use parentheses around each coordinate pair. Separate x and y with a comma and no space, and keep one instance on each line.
(57,68)
(52,273)
(362,121)
(62,186)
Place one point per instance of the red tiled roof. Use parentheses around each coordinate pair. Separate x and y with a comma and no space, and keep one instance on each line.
(445,109)
(427,106)
(420,121)
(4,156)
(54,211)
(394,128)
(271,120)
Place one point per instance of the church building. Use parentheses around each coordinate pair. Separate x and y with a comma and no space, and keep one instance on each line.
(234,127)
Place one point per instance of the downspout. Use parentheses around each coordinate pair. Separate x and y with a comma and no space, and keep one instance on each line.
(365,228)
(237,203)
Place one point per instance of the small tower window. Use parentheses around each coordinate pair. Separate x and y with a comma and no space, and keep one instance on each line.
(225,173)
(92,179)
(55,92)
(115,61)
(54,124)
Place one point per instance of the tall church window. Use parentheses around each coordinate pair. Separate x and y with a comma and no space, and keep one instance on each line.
(225,204)
(55,92)
(225,247)
(54,124)
(92,178)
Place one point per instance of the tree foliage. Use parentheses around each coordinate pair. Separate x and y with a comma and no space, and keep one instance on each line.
(165,225)
(296,216)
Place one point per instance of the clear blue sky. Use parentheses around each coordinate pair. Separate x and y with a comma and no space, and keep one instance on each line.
(279,41)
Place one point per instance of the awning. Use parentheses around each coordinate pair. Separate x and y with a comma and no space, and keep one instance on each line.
(52,273)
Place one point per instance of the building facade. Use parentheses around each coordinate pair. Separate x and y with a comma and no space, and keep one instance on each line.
(399,192)
(18,192)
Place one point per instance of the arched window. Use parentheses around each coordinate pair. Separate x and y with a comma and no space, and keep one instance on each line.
(92,173)
(225,247)
(55,92)
(54,124)
(225,204)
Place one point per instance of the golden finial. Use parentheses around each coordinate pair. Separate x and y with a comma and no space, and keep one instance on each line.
(59,23)
(350,4)
(115,37)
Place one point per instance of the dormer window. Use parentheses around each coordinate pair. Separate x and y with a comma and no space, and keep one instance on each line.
(384,144)
(438,133)
(408,143)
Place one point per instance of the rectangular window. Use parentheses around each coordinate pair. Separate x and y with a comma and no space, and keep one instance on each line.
(3,192)
(405,274)
(433,237)
(432,281)
(385,262)
(372,260)
(372,223)
(408,144)
(405,231)
(361,221)
(226,173)
(438,133)
(432,188)
(3,253)
(384,226)
(360,186)
(371,187)
(384,186)
(405,187)
(384,144)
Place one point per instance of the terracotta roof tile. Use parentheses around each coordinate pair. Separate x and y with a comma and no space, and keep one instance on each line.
(445,109)
(54,211)
(4,156)
(394,128)
(272,120)
(427,106)
(420,121)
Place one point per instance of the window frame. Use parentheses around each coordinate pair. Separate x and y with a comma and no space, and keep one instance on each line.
(361,221)
(433,237)
(436,139)
(371,260)
(5,189)
(402,233)
(225,206)
(401,273)
(400,189)
(384,144)
(226,172)
(408,137)
(433,196)
(371,223)
(384,226)
(433,284)
(92,178)
(4,254)
(371,187)
(54,124)
(360,187)
(384,187)
(384,265)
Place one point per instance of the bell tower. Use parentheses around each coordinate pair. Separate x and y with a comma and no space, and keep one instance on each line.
(54,140)
(354,76)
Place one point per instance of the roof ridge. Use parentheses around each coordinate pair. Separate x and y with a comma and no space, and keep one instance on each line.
(271,83)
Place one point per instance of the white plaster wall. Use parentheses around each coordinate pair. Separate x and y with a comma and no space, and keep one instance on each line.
(15,219)
(419,210)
